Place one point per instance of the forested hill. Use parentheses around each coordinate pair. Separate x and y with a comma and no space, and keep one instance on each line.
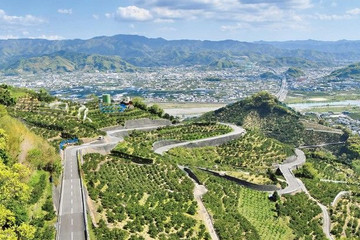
(68,62)
(351,71)
(262,112)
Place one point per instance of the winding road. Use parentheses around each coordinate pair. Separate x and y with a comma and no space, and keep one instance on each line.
(72,212)
(236,132)
(72,217)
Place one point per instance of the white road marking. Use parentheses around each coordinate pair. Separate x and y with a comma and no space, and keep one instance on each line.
(72,236)
(72,210)
(72,201)
(71,193)
(72,222)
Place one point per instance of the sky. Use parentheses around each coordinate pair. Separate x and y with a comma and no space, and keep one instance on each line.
(243,20)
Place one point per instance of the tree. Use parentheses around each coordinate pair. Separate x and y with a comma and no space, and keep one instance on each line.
(44,96)
(6,98)
(155,109)
(139,103)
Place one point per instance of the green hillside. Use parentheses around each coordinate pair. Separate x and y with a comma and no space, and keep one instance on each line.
(294,73)
(262,112)
(68,62)
(223,63)
(26,163)
(269,75)
(290,61)
(351,71)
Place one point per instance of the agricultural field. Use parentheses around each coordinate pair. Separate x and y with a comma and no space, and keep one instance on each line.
(258,217)
(152,201)
(140,143)
(253,153)
(345,217)
(63,120)
(303,214)
(304,97)
(325,171)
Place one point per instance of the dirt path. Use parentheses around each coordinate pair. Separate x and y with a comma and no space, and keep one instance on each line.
(25,146)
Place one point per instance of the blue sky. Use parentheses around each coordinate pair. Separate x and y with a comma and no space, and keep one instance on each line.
(244,20)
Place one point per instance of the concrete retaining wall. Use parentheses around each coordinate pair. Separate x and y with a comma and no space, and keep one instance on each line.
(264,188)
(146,122)
(163,143)
(213,142)
(103,150)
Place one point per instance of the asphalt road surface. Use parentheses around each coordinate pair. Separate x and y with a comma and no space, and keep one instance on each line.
(71,224)
(71,219)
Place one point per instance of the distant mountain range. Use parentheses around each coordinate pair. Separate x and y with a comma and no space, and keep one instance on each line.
(122,52)
(69,62)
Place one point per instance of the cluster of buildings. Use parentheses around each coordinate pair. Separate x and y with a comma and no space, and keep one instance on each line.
(342,119)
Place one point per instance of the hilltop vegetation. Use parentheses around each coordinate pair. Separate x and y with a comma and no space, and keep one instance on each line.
(264,113)
(294,73)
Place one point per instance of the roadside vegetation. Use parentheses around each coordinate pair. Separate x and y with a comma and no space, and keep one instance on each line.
(27,162)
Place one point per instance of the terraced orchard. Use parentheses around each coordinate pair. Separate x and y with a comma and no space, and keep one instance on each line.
(133,201)
(140,143)
(61,121)
(345,217)
(254,153)
(242,212)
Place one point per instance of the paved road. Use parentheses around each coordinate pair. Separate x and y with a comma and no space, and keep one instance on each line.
(286,169)
(296,185)
(236,131)
(338,196)
(71,224)
(71,219)
(281,94)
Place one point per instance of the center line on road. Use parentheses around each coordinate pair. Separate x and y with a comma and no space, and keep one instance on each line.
(72,210)
(71,193)
(72,221)
(72,235)
(71,201)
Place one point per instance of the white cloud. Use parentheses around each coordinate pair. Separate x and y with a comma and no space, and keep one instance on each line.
(133,13)
(65,11)
(331,17)
(95,16)
(109,15)
(43,36)
(19,20)
(355,11)
(48,37)
(10,36)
